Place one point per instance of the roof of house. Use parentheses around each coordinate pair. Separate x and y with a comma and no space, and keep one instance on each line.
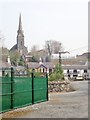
(86,65)
(34,65)
(74,67)
(49,64)
(87,55)
(42,66)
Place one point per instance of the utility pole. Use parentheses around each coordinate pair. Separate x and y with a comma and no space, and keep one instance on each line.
(60,57)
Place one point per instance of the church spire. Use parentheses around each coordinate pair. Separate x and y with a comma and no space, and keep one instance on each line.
(20,31)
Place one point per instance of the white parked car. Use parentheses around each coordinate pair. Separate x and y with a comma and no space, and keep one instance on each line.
(79,78)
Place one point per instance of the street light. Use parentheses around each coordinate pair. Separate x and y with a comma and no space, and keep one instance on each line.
(60,56)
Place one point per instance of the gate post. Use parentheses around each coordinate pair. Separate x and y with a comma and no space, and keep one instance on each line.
(32,88)
(12,89)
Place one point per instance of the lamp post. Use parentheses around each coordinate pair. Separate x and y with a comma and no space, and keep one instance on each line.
(60,56)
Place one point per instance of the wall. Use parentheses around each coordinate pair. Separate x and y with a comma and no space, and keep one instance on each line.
(58,86)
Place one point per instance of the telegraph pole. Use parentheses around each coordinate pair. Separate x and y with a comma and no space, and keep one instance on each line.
(59,59)
(60,56)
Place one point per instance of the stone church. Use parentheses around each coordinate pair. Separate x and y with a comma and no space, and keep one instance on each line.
(20,41)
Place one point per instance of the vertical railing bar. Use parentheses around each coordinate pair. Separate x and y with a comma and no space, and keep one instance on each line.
(32,88)
(47,84)
(12,81)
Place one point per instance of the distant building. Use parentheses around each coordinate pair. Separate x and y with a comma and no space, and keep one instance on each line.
(84,55)
(20,40)
(73,71)
(41,67)
(5,65)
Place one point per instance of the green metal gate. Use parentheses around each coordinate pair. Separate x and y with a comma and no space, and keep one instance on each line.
(22,91)
(39,90)
(5,90)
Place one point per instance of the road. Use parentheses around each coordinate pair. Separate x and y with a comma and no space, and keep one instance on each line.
(61,105)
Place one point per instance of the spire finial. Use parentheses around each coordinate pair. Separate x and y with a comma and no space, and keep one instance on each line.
(20,31)
(20,23)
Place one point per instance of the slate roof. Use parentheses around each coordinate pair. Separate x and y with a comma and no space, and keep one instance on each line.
(87,55)
(74,67)
(80,66)
(34,65)
(49,64)
(14,47)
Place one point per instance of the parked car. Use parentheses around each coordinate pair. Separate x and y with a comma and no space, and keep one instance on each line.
(79,78)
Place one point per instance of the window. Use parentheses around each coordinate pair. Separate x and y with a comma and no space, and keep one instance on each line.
(85,71)
(43,70)
(68,75)
(67,71)
(75,71)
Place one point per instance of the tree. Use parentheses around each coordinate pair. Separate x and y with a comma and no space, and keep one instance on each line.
(34,50)
(2,39)
(58,74)
(37,54)
(34,54)
(14,57)
(47,59)
(58,69)
(5,53)
(21,61)
(53,46)
(3,50)
(35,59)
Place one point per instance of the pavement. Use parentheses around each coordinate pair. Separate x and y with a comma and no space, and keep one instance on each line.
(60,105)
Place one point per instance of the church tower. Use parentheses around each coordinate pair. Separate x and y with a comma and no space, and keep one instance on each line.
(20,38)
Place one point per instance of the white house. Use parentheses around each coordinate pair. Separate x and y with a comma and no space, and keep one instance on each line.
(73,71)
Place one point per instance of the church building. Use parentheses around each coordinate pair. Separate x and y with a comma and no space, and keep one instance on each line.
(20,41)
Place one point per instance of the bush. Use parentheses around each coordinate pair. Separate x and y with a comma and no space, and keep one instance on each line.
(37,74)
(57,75)
(52,77)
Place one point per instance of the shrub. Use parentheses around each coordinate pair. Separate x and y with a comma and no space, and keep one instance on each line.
(57,75)
(37,74)
(52,77)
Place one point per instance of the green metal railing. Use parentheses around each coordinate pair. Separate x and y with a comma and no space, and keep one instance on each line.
(22,91)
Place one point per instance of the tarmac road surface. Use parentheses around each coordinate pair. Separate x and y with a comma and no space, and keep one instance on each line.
(61,105)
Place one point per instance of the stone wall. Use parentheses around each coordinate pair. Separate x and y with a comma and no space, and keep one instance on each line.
(58,86)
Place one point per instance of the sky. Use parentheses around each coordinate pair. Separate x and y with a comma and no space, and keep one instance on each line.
(63,20)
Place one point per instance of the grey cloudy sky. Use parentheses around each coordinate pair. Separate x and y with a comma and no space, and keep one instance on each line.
(62,20)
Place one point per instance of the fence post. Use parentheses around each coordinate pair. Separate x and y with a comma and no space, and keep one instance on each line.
(47,84)
(12,82)
(32,88)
